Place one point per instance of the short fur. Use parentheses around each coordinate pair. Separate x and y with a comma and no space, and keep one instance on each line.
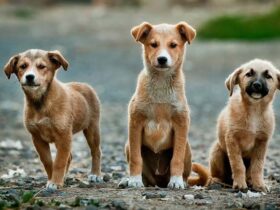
(157,148)
(54,111)
(244,128)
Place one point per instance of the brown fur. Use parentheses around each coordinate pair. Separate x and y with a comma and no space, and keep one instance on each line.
(244,128)
(54,111)
(159,119)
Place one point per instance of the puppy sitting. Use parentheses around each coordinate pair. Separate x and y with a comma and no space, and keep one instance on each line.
(54,111)
(157,150)
(245,126)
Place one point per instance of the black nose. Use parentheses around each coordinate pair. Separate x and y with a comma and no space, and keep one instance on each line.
(257,85)
(162,60)
(30,77)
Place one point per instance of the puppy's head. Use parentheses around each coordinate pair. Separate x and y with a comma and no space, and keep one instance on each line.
(35,69)
(163,44)
(257,79)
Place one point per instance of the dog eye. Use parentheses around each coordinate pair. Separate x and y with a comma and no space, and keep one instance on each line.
(23,66)
(173,45)
(250,73)
(41,66)
(154,45)
(267,76)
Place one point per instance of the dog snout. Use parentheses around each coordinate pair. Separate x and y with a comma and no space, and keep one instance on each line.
(30,78)
(162,60)
(257,85)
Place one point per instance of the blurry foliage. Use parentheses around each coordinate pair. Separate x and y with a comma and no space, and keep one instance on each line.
(242,27)
(114,3)
(23,12)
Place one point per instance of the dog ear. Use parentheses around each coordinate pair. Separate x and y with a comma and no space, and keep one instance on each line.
(186,31)
(233,80)
(141,31)
(57,59)
(10,66)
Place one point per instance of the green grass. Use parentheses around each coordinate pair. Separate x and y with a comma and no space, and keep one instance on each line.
(241,27)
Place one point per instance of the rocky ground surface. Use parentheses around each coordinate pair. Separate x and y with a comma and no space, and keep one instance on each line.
(101,52)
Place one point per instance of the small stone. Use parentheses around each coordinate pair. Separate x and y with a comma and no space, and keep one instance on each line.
(214,186)
(106,178)
(198,196)
(117,175)
(119,205)
(150,195)
(188,197)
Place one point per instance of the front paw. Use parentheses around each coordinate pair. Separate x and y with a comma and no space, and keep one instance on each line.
(176,182)
(260,187)
(94,178)
(135,182)
(239,184)
(51,186)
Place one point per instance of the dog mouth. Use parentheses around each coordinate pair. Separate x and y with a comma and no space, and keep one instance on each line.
(31,85)
(162,67)
(257,95)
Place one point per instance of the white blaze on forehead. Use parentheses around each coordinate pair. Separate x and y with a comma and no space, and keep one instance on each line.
(33,51)
(164,53)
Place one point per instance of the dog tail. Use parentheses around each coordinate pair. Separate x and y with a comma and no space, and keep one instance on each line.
(203,175)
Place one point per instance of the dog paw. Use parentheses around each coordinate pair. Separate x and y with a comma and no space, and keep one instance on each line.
(260,187)
(51,186)
(241,185)
(135,182)
(176,182)
(94,178)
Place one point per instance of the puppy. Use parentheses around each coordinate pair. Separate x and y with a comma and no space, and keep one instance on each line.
(245,126)
(157,150)
(54,111)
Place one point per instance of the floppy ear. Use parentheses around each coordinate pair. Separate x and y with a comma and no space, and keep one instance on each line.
(186,31)
(233,80)
(141,32)
(57,59)
(10,66)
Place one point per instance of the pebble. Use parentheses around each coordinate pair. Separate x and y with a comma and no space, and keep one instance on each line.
(214,186)
(188,197)
(150,195)
(107,178)
(119,204)
(198,196)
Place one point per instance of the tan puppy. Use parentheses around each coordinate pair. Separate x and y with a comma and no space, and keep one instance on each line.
(244,127)
(157,150)
(54,111)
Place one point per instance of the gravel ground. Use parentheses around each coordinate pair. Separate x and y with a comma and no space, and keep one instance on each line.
(101,52)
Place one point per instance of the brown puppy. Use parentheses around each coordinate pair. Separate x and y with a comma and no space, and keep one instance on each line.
(157,149)
(54,111)
(245,126)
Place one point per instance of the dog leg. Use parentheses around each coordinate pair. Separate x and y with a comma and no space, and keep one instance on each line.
(236,163)
(217,164)
(92,135)
(257,165)
(188,163)
(135,158)
(44,152)
(179,151)
(60,162)
(68,163)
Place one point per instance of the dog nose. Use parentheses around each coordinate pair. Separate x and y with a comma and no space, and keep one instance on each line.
(30,77)
(162,60)
(257,85)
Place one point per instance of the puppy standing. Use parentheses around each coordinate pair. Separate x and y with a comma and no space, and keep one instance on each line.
(157,146)
(54,111)
(245,126)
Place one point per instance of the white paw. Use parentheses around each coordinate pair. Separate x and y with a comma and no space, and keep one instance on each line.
(135,181)
(94,178)
(51,186)
(176,182)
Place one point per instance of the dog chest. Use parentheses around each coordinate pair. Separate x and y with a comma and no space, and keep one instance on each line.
(157,135)
(43,127)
